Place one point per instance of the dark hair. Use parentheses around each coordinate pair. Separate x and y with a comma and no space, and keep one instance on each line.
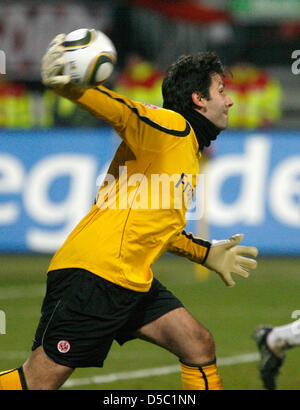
(188,74)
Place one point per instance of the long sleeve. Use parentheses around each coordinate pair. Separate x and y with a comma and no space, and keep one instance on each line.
(191,247)
(141,126)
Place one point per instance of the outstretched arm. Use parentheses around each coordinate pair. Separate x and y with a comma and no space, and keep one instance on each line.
(224,257)
(138,124)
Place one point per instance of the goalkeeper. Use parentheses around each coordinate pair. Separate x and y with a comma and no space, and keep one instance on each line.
(100,285)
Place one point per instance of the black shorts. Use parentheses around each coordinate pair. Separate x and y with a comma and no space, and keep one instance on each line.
(83,313)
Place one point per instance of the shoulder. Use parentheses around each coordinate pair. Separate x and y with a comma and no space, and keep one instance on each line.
(168,121)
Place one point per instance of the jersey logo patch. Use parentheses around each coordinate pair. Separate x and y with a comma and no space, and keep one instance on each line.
(154,107)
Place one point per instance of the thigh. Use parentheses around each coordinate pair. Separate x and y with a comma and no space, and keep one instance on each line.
(181,334)
(157,302)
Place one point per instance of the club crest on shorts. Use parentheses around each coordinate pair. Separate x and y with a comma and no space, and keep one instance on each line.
(63,346)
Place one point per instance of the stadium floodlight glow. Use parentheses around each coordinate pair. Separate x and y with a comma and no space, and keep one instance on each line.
(2,62)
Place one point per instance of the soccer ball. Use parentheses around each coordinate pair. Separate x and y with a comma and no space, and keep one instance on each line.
(90,57)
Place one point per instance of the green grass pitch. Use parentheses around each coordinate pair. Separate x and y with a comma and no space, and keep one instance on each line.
(269,295)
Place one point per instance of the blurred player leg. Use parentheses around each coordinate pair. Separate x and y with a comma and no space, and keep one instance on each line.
(284,337)
(270,362)
(272,343)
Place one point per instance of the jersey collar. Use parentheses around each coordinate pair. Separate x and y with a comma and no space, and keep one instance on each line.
(204,129)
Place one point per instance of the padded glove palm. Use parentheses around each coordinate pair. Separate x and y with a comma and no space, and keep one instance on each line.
(53,64)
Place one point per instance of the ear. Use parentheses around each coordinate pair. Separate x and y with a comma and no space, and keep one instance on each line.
(198,100)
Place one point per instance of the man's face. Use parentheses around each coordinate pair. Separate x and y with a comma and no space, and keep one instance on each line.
(216,108)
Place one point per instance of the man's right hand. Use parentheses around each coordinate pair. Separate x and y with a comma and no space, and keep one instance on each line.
(53,64)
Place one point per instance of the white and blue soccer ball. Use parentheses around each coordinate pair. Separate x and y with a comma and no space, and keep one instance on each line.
(90,57)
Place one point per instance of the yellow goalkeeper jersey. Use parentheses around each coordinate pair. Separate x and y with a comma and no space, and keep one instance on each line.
(139,211)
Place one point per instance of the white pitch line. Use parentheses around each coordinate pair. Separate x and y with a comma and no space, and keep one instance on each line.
(19,292)
(14,354)
(155,371)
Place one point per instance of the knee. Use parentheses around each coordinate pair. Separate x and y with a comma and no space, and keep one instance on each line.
(206,338)
(205,342)
(201,347)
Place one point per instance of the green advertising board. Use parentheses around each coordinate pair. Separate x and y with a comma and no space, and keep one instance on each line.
(266,10)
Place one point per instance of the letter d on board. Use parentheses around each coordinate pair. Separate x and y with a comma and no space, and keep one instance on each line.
(2,62)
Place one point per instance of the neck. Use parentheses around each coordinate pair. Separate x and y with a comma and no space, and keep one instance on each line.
(204,129)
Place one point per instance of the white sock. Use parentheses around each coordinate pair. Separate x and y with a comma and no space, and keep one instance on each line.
(282,337)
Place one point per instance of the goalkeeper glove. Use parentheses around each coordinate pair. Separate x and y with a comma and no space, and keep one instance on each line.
(53,64)
(225,257)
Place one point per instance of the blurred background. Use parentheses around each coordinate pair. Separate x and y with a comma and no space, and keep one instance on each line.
(53,154)
(52,151)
